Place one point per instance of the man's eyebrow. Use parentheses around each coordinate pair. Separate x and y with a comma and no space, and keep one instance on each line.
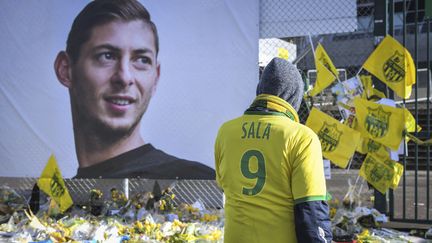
(118,49)
(106,46)
(143,51)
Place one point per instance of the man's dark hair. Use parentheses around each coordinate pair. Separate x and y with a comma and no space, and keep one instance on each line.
(99,12)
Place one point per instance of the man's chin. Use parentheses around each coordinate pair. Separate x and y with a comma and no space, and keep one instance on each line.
(114,130)
(121,128)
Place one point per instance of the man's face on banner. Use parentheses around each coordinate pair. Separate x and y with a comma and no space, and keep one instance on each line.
(115,75)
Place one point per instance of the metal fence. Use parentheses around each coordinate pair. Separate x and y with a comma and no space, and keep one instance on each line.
(410,23)
(349,30)
(186,191)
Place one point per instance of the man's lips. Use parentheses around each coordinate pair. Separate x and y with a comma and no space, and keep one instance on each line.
(120,100)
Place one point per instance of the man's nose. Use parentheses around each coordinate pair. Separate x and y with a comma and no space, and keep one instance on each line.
(124,74)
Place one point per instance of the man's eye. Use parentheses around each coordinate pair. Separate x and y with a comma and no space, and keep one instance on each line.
(105,56)
(108,56)
(144,60)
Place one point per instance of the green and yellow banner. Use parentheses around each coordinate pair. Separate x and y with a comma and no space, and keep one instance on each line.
(338,141)
(391,63)
(382,123)
(51,182)
(381,173)
(368,145)
(326,71)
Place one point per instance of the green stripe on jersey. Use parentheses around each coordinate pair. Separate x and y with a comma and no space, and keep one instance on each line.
(310,198)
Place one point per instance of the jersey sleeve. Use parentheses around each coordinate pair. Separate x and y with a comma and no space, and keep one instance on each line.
(307,179)
(217,158)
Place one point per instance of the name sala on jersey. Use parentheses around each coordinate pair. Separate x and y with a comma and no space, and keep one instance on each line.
(256,130)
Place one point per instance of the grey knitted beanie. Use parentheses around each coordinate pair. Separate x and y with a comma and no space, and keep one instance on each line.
(281,78)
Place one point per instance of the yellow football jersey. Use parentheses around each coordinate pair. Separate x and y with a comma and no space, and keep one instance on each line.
(266,163)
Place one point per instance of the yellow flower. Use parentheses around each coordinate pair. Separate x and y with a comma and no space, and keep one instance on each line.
(122,230)
(332,212)
(216,235)
(57,237)
(162,205)
(209,217)
(187,238)
(159,235)
(213,236)
(191,209)
(148,227)
(178,223)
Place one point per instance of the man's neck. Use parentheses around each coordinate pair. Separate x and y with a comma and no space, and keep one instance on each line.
(92,149)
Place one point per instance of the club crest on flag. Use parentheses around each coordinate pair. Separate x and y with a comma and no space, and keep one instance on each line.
(376,172)
(381,173)
(373,146)
(51,182)
(56,187)
(393,68)
(377,122)
(326,63)
(329,137)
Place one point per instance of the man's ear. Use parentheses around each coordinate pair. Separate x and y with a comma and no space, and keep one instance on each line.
(62,66)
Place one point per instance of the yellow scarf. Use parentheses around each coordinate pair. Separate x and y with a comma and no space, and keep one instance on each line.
(274,103)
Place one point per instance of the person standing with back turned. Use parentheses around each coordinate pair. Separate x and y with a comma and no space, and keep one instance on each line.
(270,167)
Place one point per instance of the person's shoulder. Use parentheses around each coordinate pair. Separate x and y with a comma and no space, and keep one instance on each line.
(296,131)
(292,127)
(229,126)
(304,137)
(305,130)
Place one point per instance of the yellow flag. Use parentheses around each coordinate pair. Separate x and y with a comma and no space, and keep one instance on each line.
(391,63)
(51,182)
(397,172)
(326,71)
(368,145)
(283,53)
(338,142)
(378,151)
(382,123)
(410,122)
(382,174)
(410,125)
